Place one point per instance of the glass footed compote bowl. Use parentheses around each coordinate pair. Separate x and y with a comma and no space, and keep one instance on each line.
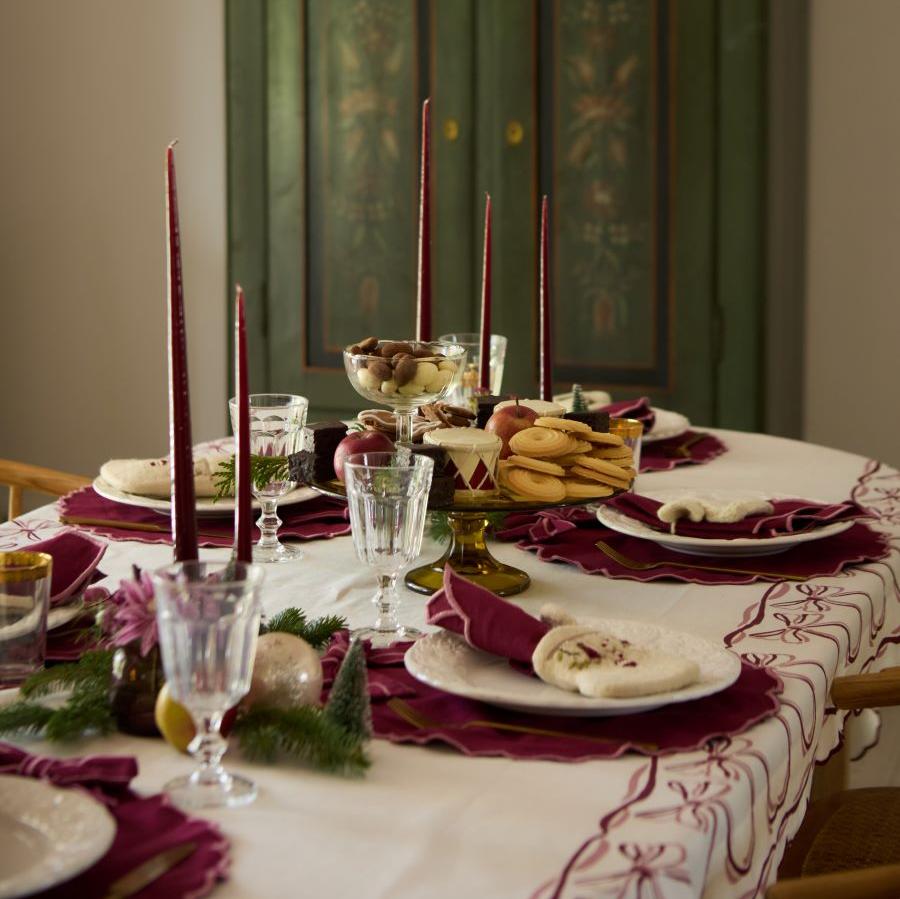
(405,374)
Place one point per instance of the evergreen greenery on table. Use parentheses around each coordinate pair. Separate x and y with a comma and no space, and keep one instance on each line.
(330,738)
(263,470)
(578,403)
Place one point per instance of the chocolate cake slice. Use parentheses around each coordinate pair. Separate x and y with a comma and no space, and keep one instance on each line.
(598,421)
(315,461)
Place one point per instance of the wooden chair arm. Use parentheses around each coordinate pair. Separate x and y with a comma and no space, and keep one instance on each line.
(882,882)
(20,475)
(866,691)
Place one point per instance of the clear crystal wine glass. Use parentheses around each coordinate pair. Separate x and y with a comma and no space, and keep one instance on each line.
(387,494)
(276,429)
(208,619)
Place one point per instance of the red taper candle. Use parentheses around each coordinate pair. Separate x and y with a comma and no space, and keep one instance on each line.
(546,331)
(243,509)
(485,361)
(423,291)
(184,522)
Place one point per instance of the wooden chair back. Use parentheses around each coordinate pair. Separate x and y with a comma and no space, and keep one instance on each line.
(19,476)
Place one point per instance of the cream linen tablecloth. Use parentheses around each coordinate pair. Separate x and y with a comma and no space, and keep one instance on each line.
(431,822)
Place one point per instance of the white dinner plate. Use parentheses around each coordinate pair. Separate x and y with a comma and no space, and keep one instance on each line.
(49,834)
(60,615)
(708,546)
(445,661)
(667,424)
(205,504)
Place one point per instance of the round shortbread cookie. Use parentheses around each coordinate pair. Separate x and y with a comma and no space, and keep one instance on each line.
(582,446)
(535,485)
(582,489)
(603,466)
(541,443)
(611,453)
(536,465)
(590,475)
(603,439)
(568,460)
(562,424)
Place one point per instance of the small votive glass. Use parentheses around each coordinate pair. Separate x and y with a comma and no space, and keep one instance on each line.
(631,431)
(461,395)
(24,601)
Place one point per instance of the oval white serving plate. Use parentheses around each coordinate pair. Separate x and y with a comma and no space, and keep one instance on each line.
(445,661)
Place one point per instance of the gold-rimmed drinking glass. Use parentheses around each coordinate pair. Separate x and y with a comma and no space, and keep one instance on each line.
(631,431)
(24,601)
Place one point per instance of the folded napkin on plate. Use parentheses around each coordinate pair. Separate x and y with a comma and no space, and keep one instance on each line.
(75,560)
(150,477)
(572,656)
(789,516)
(638,409)
(309,520)
(405,710)
(144,827)
(485,620)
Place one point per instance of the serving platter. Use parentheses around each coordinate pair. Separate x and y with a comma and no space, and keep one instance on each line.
(206,506)
(49,834)
(734,547)
(445,661)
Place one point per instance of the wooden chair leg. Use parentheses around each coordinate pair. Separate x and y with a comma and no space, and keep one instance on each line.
(831,778)
(15,503)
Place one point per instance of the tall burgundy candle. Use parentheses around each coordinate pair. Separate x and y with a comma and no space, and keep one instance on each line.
(485,373)
(546,331)
(423,292)
(184,522)
(243,510)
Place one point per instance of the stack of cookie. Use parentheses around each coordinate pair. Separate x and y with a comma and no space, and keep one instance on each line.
(560,459)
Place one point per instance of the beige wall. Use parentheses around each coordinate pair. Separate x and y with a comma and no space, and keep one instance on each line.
(853,250)
(90,93)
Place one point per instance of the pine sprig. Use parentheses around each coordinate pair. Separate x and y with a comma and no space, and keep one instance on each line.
(316,632)
(439,529)
(87,710)
(93,671)
(263,470)
(24,718)
(304,734)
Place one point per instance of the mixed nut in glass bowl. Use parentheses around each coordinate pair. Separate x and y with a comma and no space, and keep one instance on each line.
(404,374)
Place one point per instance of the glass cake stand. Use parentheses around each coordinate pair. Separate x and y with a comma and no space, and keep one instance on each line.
(468,551)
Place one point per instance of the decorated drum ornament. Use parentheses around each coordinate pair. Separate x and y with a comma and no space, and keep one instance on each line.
(473,458)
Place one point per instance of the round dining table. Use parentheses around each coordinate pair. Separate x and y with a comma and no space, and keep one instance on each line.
(430,821)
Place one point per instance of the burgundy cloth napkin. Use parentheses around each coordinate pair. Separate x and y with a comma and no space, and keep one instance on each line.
(569,535)
(407,711)
(789,516)
(483,619)
(690,448)
(638,409)
(75,560)
(145,826)
(310,520)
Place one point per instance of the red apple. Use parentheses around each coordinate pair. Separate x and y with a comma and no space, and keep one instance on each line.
(360,442)
(508,421)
